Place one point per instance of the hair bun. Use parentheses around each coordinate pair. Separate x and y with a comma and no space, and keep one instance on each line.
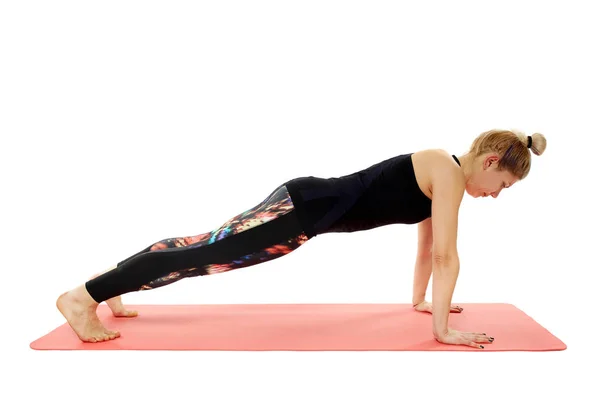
(537,143)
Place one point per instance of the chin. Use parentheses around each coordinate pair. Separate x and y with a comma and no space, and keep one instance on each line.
(475,195)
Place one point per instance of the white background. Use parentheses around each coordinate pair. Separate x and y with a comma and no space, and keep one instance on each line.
(126,122)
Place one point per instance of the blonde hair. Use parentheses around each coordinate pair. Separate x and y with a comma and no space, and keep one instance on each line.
(511,146)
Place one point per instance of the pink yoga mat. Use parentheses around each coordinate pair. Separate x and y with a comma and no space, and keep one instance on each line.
(302,327)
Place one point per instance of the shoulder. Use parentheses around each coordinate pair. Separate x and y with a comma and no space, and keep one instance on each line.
(437,168)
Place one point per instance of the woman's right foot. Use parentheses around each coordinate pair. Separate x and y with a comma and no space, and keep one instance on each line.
(79,309)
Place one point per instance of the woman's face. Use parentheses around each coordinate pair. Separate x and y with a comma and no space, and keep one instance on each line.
(486,180)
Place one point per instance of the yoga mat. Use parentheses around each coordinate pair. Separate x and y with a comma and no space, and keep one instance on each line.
(305,327)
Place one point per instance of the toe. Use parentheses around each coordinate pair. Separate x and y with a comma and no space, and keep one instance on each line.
(111,334)
(122,312)
(126,313)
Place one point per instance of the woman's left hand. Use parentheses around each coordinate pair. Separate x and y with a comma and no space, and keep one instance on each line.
(426,306)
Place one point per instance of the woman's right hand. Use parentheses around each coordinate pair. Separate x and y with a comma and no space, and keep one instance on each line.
(464,338)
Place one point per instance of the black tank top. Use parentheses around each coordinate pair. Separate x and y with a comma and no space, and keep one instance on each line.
(382,194)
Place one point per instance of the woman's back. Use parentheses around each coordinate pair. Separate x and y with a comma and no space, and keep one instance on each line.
(387,192)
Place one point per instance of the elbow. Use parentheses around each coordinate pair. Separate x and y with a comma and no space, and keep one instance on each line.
(445,258)
(424,252)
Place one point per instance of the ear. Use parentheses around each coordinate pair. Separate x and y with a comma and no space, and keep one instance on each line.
(490,160)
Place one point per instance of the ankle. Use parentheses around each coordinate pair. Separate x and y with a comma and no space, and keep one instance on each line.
(81,294)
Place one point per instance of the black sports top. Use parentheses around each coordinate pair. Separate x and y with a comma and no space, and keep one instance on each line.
(382,194)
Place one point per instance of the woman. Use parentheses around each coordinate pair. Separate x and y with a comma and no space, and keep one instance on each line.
(425,187)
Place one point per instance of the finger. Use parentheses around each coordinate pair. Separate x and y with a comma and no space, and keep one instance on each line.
(488,339)
(485,338)
(481,338)
(476,345)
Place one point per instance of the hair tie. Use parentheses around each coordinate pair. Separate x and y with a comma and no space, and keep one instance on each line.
(529,142)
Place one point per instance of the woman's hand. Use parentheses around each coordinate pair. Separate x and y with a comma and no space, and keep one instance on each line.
(426,306)
(464,338)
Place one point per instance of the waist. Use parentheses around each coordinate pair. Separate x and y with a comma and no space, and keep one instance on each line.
(319,202)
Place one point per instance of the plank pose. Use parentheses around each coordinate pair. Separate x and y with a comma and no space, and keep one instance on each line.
(425,188)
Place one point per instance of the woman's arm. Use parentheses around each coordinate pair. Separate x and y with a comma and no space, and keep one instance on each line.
(448,188)
(423,262)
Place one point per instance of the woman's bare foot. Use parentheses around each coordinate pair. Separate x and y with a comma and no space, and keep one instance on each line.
(118,309)
(79,309)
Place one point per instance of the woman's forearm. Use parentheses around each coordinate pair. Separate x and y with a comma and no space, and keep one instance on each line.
(445,274)
(421,276)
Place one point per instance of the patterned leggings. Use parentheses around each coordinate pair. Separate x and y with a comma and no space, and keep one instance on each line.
(267,231)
